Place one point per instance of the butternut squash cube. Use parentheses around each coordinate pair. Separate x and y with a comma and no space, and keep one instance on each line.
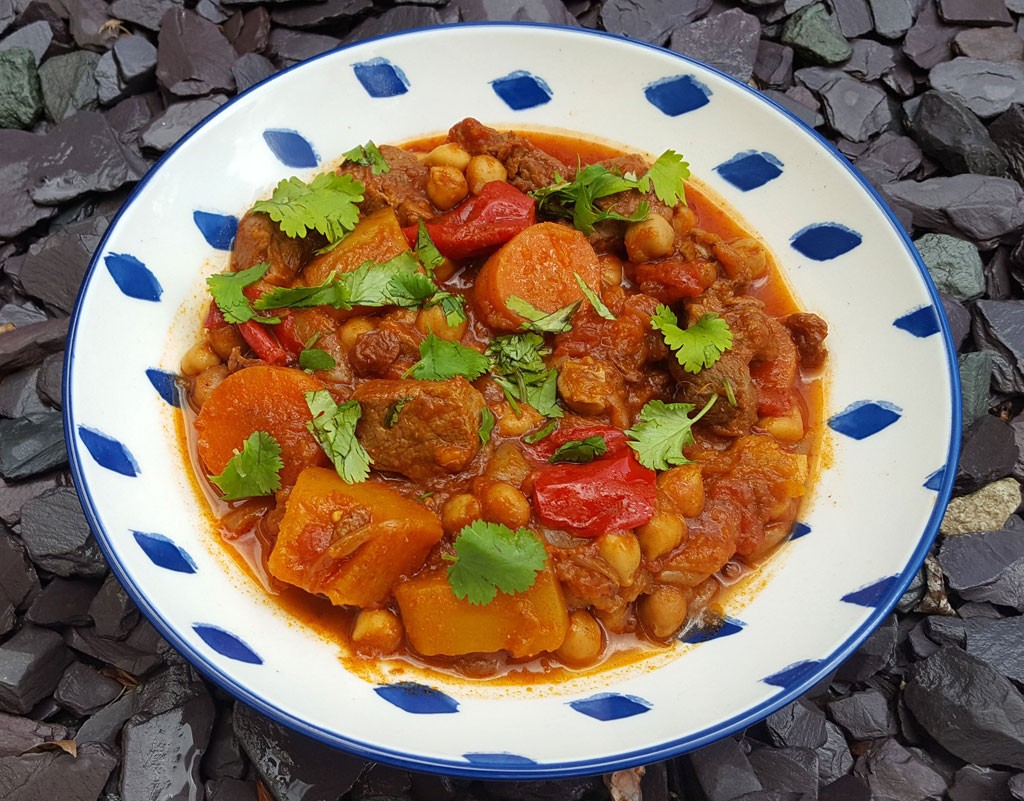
(377,237)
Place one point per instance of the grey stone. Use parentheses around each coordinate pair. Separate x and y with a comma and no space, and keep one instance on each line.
(929,41)
(999,327)
(997,644)
(36,38)
(988,453)
(21,99)
(817,78)
(17,211)
(552,11)
(724,771)
(987,88)
(773,66)
(193,56)
(177,120)
(815,35)
(29,344)
(846,788)
(55,774)
(989,44)
(251,68)
(112,611)
(853,16)
(950,133)
(31,445)
(974,12)
(893,773)
(136,60)
(316,15)
(119,653)
(130,117)
(900,79)
(68,84)
(799,724)
(18,580)
(104,727)
(90,23)
(1007,131)
(889,157)
(31,664)
(877,652)
(975,383)
(651,21)
(62,602)
(83,691)
(954,265)
(987,566)
(212,10)
(801,103)
(870,60)
(224,758)
(793,770)
(972,783)
(291,47)
(48,379)
(21,313)
(249,32)
(893,18)
(834,757)
(864,715)
(726,41)
(230,790)
(18,734)
(57,535)
(55,266)
(18,396)
(856,110)
(145,13)
(913,594)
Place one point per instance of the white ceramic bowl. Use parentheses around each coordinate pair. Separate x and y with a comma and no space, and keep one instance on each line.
(892,400)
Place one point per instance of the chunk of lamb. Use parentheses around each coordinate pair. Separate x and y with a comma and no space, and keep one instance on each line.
(608,236)
(260,239)
(808,332)
(403,187)
(528,166)
(421,429)
(592,387)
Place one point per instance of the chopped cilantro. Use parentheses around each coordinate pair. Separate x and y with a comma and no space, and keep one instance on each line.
(332,292)
(227,291)
(594,299)
(391,418)
(410,289)
(518,364)
(667,177)
(486,426)
(426,251)
(334,427)
(316,359)
(368,156)
(453,306)
(541,322)
(254,470)
(327,204)
(730,395)
(580,450)
(441,359)
(541,433)
(490,557)
(696,347)
(663,431)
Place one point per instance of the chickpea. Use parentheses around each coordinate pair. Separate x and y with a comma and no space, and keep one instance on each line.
(503,503)
(789,428)
(198,358)
(622,553)
(649,239)
(684,220)
(459,511)
(481,170)
(684,486)
(616,619)
(446,186)
(352,329)
(611,269)
(663,611)
(445,270)
(377,631)
(225,339)
(433,321)
(661,535)
(510,424)
(583,641)
(508,464)
(206,382)
(450,154)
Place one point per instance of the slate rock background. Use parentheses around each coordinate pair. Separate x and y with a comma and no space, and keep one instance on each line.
(925,97)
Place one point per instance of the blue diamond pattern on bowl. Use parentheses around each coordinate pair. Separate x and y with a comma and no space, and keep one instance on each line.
(521,90)
(291,148)
(217,229)
(611,706)
(922,322)
(750,169)
(381,78)
(799,530)
(499,760)
(133,277)
(419,699)
(723,627)
(825,241)
(871,594)
(163,382)
(934,481)
(792,675)
(226,643)
(677,94)
(108,452)
(863,419)
(164,553)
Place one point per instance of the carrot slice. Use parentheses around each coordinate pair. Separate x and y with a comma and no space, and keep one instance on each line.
(536,265)
(260,398)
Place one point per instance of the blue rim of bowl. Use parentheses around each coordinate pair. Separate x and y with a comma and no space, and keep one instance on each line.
(602,764)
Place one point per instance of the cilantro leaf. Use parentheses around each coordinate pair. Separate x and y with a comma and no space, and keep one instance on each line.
(696,347)
(391,418)
(486,426)
(490,557)
(373,283)
(327,204)
(368,156)
(426,251)
(557,322)
(441,359)
(226,289)
(332,292)
(316,359)
(453,306)
(541,433)
(254,470)
(334,427)
(580,450)
(663,431)
(518,365)
(411,289)
(594,299)
(576,199)
(667,176)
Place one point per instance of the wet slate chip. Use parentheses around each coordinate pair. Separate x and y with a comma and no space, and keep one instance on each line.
(723,770)
(892,772)
(63,602)
(84,691)
(987,88)
(655,22)
(951,134)
(999,327)
(32,445)
(58,537)
(996,642)
(988,453)
(798,724)
(864,715)
(726,41)
(31,664)
(193,57)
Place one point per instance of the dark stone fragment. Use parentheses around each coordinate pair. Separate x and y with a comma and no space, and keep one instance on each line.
(136,60)
(870,60)
(552,11)
(21,99)
(1016,787)
(113,613)
(798,724)
(1007,132)
(291,47)
(36,38)
(23,312)
(145,13)
(31,664)
(773,66)
(54,267)
(988,88)
(57,775)
(657,778)
(876,652)
(193,56)
(834,757)
(979,207)
(14,495)
(18,396)
(63,602)
(559,790)
(652,21)
(853,16)
(68,84)
(250,69)
(920,643)
(951,134)
(723,770)
(18,580)
(105,726)
(892,772)
(384,781)
(806,114)
(286,760)
(846,788)
(81,155)
(18,734)
(212,10)
(990,44)
(929,41)
(973,610)
(784,10)
(130,117)
(316,15)
(997,644)
(793,770)
(974,12)
(120,654)
(988,566)
(29,344)
(17,211)
(998,281)
(954,265)
(83,691)
(988,453)
(913,594)
(865,715)
(726,41)
(177,120)
(900,79)
(973,711)
(89,23)
(230,790)
(31,445)
(815,35)
(999,327)
(435,787)
(57,536)
(249,32)
(48,380)
(817,78)
(856,110)
(975,384)
(394,20)
(972,783)
(224,758)
(893,18)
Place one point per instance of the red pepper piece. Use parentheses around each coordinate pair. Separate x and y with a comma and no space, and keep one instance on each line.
(288,336)
(772,380)
(588,500)
(263,343)
(480,223)
(671,280)
(214,318)
(613,438)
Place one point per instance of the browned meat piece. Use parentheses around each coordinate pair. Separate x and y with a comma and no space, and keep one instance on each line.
(729,417)
(592,387)
(420,429)
(374,353)
(403,187)
(608,235)
(808,332)
(260,239)
(528,166)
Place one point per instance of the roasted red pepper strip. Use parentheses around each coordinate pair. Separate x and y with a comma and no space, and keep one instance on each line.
(263,343)
(214,318)
(613,493)
(613,438)
(480,223)
(288,336)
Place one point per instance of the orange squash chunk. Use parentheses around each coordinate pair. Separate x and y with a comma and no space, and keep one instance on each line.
(377,237)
